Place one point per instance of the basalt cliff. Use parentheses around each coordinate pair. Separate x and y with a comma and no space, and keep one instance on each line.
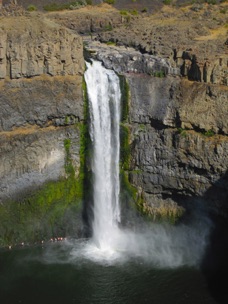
(176,96)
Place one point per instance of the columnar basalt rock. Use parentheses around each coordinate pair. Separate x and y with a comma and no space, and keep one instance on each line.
(179,142)
(178,105)
(41,68)
(38,47)
(178,154)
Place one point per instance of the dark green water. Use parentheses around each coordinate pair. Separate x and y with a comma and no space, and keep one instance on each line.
(52,275)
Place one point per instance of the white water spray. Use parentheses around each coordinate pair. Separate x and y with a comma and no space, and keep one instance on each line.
(104,103)
(161,245)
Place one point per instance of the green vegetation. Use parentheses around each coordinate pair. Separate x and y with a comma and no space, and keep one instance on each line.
(31,8)
(108,27)
(64,6)
(124,127)
(55,209)
(144,10)
(142,127)
(124,147)
(126,13)
(167,2)
(213,2)
(125,94)
(159,74)
(123,12)
(223,11)
(109,1)
(182,132)
(128,193)
(130,196)
(110,43)
(209,133)
(44,214)
(69,168)
(49,212)
(163,212)
(134,12)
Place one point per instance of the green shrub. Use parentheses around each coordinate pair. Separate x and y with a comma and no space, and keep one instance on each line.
(167,2)
(160,74)
(110,43)
(108,27)
(109,1)
(223,11)
(182,132)
(134,12)
(144,10)
(31,8)
(64,6)
(209,133)
(123,12)
(213,2)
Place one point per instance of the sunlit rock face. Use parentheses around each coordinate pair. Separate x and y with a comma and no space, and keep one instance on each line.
(37,47)
(178,129)
(41,67)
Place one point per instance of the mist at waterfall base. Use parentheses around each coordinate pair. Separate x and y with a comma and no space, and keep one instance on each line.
(147,263)
(161,245)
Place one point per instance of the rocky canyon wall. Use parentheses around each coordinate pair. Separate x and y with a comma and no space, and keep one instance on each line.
(41,67)
(179,142)
(177,123)
(178,103)
(41,102)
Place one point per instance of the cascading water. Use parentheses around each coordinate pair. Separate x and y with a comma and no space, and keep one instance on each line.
(162,245)
(104,104)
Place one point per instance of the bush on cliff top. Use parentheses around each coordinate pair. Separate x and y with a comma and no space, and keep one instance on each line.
(65,6)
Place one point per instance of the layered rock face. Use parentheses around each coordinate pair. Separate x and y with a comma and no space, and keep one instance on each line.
(41,67)
(193,39)
(177,121)
(177,153)
(178,130)
(37,116)
(178,105)
(37,48)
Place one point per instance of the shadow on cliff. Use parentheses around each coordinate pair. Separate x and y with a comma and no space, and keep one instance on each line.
(215,262)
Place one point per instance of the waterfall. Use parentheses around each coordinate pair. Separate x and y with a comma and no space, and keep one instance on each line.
(104,105)
(162,245)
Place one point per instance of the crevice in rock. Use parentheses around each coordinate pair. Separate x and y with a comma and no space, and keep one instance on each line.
(157,124)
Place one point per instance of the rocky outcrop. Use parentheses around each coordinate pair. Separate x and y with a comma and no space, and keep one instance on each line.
(177,120)
(176,156)
(36,118)
(41,101)
(128,60)
(41,66)
(191,39)
(90,20)
(197,48)
(38,47)
(178,130)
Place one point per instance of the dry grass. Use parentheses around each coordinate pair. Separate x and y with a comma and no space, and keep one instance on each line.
(98,10)
(26,130)
(215,34)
